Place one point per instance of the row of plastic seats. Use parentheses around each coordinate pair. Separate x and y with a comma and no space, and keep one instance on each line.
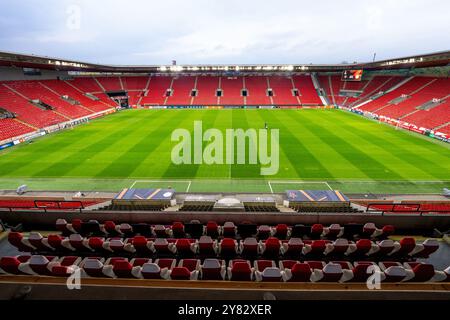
(226,247)
(215,269)
(195,229)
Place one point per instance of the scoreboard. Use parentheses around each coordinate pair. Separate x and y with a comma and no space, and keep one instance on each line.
(352,75)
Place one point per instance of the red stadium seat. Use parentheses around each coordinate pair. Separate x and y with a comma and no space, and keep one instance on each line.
(142,245)
(281,231)
(316,231)
(270,247)
(182,273)
(228,247)
(18,241)
(212,229)
(10,265)
(178,230)
(190,264)
(240,270)
(300,272)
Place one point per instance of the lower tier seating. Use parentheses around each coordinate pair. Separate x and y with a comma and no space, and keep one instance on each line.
(10,128)
(215,269)
(272,247)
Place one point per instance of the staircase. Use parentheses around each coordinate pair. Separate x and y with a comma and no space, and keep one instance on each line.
(171,84)
(358,102)
(195,88)
(441,126)
(330,84)
(408,114)
(121,83)
(398,85)
(243,87)
(323,97)
(144,93)
(293,87)
(220,87)
(268,87)
(26,124)
(99,84)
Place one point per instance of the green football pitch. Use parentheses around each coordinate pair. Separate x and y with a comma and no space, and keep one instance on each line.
(319,149)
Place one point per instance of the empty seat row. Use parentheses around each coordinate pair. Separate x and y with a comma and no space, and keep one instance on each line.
(226,247)
(229,230)
(215,269)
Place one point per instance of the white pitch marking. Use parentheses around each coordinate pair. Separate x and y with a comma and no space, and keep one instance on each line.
(189,185)
(270,186)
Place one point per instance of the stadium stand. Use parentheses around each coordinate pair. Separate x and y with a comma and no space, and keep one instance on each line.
(110,83)
(422,101)
(238,269)
(182,88)
(64,88)
(135,87)
(206,90)
(308,94)
(86,84)
(10,128)
(375,85)
(232,91)
(26,111)
(35,90)
(157,90)
(283,91)
(257,91)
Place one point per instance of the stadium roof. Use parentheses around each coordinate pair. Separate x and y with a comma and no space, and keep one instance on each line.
(11,59)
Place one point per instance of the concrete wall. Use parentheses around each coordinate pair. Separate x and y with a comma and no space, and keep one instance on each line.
(400,221)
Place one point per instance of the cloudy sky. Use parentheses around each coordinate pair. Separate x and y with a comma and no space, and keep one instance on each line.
(224,31)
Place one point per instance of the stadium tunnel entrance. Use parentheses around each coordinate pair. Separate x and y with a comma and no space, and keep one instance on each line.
(120,97)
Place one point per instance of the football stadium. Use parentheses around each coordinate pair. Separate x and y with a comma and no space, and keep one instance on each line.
(225,181)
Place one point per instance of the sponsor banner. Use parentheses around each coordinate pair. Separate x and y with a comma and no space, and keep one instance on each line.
(266,107)
(156,107)
(101,114)
(185,107)
(415,129)
(214,107)
(441,138)
(34,135)
(233,107)
(289,107)
(6,145)
(404,125)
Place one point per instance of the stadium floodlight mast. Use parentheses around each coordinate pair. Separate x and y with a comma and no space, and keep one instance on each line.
(213,153)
